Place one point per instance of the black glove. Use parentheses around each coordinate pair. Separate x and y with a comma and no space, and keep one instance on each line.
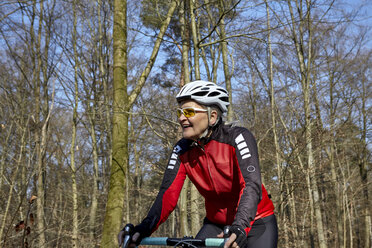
(143,230)
(241,236)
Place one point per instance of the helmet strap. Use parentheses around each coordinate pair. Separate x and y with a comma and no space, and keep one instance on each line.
(206,131)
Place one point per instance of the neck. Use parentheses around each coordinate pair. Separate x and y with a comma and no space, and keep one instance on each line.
(204,137)
(207,132)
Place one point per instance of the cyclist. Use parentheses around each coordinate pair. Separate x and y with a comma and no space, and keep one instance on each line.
(222,161)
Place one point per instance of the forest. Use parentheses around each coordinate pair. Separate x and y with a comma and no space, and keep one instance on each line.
(88,113)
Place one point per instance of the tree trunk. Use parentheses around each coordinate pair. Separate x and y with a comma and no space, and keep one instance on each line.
(305,69)
(13,185)
(137,183)
(194,209)
(184,226)
(74,193)
(2,169)
(185,77)
(39,133)
(122,103)
(335,181)
(92,122)
(278,159)
(116,194)
(292,205)
(225,60)
(195,40)
(95,180)
(364,163)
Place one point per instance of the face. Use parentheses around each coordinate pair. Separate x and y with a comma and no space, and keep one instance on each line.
(193,127)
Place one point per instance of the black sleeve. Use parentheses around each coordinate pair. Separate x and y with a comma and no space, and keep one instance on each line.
(247,155)
(167,197)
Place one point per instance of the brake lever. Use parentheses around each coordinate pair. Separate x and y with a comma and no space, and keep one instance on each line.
(128,230)
(226,233)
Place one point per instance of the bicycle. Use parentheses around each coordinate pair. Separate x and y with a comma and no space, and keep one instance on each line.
(176,242)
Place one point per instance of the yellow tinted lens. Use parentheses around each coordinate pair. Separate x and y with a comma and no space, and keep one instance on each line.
(189,112)
(179,113)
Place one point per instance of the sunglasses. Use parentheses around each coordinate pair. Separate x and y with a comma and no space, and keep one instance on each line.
(189,111)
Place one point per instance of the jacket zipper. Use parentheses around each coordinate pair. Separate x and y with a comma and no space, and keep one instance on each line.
(208,167)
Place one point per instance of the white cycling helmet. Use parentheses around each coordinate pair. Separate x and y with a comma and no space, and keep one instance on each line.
(205,93)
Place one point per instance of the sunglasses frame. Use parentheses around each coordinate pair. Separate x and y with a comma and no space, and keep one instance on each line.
(180,111)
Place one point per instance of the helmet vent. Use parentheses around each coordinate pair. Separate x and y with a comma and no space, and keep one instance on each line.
(200,93)
(196,88)
(223,90)
(214,94)
(225,99)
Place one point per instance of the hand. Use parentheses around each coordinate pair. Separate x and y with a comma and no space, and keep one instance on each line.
(129,237)
(230,242)
(237,238)
(135,238)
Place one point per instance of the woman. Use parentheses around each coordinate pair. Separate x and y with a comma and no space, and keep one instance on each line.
(222,162)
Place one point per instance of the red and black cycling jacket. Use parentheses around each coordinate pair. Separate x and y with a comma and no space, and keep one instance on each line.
(225,171)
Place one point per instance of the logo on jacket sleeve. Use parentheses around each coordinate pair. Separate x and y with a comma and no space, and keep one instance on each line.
(172,161)
(177,149)
(242,146)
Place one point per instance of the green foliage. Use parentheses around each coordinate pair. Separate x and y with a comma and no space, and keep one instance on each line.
(153,13)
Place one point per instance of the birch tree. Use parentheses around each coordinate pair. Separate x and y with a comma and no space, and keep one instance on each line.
(75,225)
(302,36)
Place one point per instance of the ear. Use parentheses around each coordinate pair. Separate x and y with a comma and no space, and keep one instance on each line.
(214,117)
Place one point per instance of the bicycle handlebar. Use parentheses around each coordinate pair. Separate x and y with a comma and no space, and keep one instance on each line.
(184,242)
